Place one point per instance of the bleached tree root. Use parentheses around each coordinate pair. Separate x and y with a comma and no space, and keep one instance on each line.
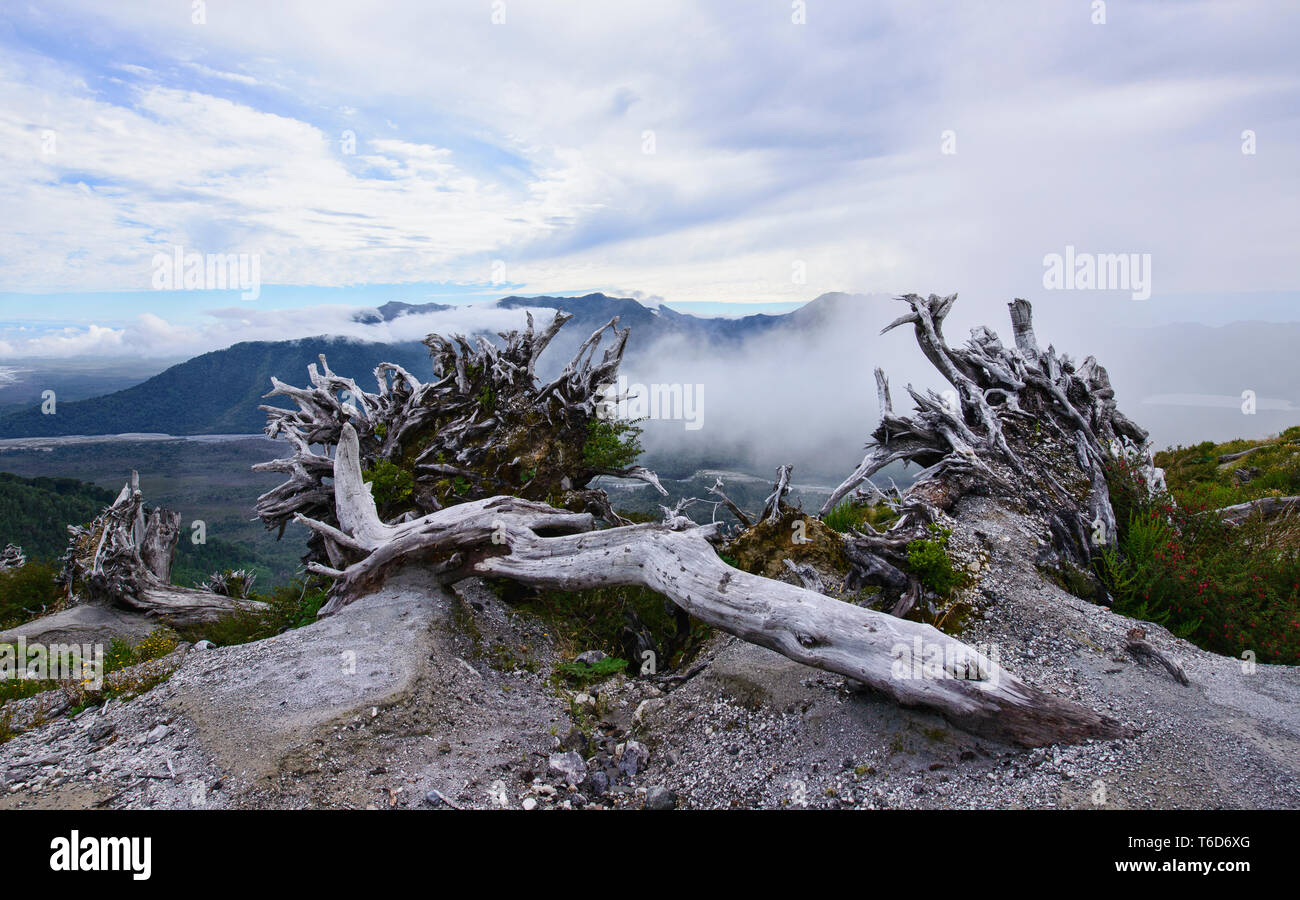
(1019,423)
(535,544)
(483,426)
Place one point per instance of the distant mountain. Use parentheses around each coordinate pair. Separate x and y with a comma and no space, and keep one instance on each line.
(795,387)
(395,309)
(219,392)
(23,381)
(216,393)
(649,325)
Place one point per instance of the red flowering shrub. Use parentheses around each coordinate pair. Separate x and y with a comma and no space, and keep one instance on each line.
(1228,589)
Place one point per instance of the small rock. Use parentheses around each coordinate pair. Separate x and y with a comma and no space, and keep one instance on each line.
(530,803)
(158,733)
(660,798)
(596,783)
(647,707)
(568,766)
(589,657)
(633,759)
(575,740)
(436,797)
(101,731)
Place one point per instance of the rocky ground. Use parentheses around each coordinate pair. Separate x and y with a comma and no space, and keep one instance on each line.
(416,697)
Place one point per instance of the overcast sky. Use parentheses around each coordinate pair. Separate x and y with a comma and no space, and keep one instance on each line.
(515,156)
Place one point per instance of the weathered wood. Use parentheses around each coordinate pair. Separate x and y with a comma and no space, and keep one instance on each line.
(772,505)
(1021,423)
(1229,457)
(124,559)
(736,511)
(1266,507)
(544,547)
(1137,646)
(12,558)
(481,426)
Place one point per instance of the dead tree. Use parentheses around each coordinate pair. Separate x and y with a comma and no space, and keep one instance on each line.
(483,426)
(545,547)
(12,557)
(124,559)
(1019,422)
(772,505)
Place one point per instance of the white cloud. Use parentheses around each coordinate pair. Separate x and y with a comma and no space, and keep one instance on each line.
(775,144)
(150,335)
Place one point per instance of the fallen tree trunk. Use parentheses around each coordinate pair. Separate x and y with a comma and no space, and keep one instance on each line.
(537,545)
(1267,507)
(1229,457)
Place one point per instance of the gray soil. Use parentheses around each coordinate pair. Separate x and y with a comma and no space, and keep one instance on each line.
(416,697)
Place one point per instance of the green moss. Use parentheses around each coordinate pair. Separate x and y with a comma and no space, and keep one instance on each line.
(586,673)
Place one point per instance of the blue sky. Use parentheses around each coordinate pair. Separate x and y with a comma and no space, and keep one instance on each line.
(720,156)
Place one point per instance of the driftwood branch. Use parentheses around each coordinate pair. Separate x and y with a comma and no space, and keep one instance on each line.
(736,511)
(772,505)
(538,545)
(1137,646)
(1267,507)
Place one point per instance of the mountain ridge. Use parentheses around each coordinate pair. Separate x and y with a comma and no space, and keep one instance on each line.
(218,392)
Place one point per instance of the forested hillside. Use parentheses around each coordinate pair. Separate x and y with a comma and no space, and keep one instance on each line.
(35,512)
(216,393)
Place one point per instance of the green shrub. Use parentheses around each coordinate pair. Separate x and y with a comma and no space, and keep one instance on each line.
(1228,589)
(611,444)
(389,483)
(288,606)
(599,618)
(852,515)
(928,560)
(26,591)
